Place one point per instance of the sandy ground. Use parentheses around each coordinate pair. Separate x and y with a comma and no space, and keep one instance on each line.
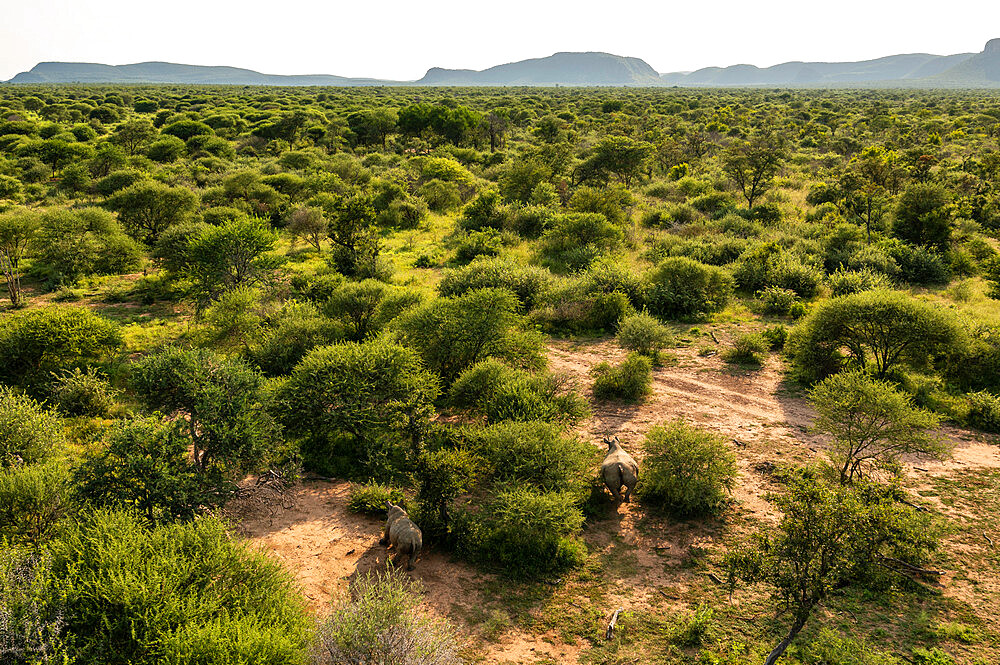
(326,546)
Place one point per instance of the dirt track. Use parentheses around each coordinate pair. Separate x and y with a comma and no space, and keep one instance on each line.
(325,545)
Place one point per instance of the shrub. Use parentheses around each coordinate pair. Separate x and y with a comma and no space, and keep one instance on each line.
(484,211)
(217,600)
(686,470)
(366,307)
(31,611)
(526,282)
(73,244)
(478,243)
(610,276)
(78,393)
(918,265)
(681,287)
(523,532)
(221,398)
(440,196)
(777,300)
(533,454)
(747,349)
(883,328)
(353,401)
(922,215)
(452,334)
(844,282)
(630,381)
(37,343)
(531,221)
(576,239)
(381,623)
(146,467)
(499,392)
(775,336)
(289,335)
(441,476)
(370,499)
(33,498)
(28,432)
(643,334)
(769,264)
(984,411)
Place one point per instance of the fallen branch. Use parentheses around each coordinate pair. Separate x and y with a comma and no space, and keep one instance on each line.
(609,633)
(988,539)
(913,569)
(919,509)
(714,578)
(714,338)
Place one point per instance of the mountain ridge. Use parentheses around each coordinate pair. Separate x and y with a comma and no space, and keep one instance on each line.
(585,69)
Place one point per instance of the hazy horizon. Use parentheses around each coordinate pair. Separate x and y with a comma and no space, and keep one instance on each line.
(404,40)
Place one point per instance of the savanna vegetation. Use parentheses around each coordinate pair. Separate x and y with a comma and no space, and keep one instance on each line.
(209,286)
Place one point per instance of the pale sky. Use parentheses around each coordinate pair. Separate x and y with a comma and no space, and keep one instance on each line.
(400,39)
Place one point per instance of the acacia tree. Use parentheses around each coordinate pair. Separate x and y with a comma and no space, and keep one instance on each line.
(830,537)
(17,230)
(308,223)
(753,164)
(872,424)
(147,209)
(232,255)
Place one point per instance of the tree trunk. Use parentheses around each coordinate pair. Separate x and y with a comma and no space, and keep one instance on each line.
(780,649)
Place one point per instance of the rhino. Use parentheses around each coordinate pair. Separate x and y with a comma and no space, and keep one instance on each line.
(402,533)
(619,469)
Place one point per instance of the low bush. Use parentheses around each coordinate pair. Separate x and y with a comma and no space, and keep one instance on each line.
(776,300)
(775,336)
(382,623)
(747,349)
(33,498)
(644,334)
(682,287)
(523,532)
(984,411)
(499,392)
(526,282)
(29,433)
(686,470)
(78,393)
(844,282)
(630,381)
(370,498)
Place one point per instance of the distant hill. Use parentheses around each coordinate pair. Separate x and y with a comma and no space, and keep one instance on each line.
(913,70)
(167,72)
(579,69)
(909,69)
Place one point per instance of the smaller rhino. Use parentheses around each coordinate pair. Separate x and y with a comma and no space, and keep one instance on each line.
(403,534)
(619,469)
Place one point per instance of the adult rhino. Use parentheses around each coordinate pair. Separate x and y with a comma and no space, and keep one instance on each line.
(403,534)
(619,470)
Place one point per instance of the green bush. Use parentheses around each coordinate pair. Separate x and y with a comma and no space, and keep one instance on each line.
(71,244)
(775,336)
(844,282)
(289,335)
(630,381)
(984,411)
(33,611)
(474,244)
(777,300)
(769,264)
(216,600)
(33,498)
(526,282)
(28,432)
(523,532)
(452,334)
(382,623)
(369,499)
(78,393)
(533,454)
(39,342)
(499,392)
(146,467)
(440,196)
(829,647)
(644,334)
(682,287)
(747,349)
(575,240)
(686,470)
(486,211)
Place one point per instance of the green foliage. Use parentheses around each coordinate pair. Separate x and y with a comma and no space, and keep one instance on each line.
(526,282)
(32,611)
(452,334)
(37,343)
(221,399)
(765,265)
(289,334)
(73,244)
(686,471)
(575,240)
(644,334)
(775,336)
(78,393)
(922,216)
(366,307)
(216,599)
(747,349)
(846,282)
(499,392)
(147,209)
(681,287)
(146,467)
(370,499)
(33,498)
(777,300)
(871,424)
(371,392)
(524,532)
(885,329)
(984,411)
(230,256)
(630,381)
(28,432)
(383,623)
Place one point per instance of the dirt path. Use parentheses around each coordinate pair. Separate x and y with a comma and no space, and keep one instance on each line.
(326,546)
